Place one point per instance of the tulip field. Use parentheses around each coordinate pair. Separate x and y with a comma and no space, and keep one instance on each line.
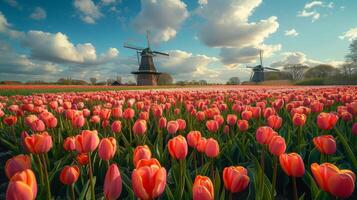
(217,142)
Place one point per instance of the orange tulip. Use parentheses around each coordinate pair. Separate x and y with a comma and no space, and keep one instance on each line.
(235,178)
(326,121)
(182,124)
(17,164)
(243,125)
(231,119)
(202,188)
(264,134)
(38,143)
(112,183)
(82,158)
(274,121)
(38,126)
(78,121)
(149,179)
(299,119)
(22,186)
(116,126)
(201,145)
(141,152)
(69,143)
(69,174)
(277,145)
(107,148)
(193,137)
(292,164)
(178,147)
(87,141)
(212,125)
(172,127)
(128,113)
(340,183)
(139,127)
(326,144)
(247,115)
(212,148)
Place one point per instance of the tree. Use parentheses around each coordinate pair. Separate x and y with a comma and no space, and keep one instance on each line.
(93,80)
(349,68)
(165,79)
(296,71)
(233,81)
(321,71)
(202,82)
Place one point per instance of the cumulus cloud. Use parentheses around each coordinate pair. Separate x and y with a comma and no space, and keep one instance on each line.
(163,18)
(295,58)
(291,33)
(350,35)
(311,9)
(13,3)
(38,14)
(227,26)
(89,12)
(57,48)
(6,28)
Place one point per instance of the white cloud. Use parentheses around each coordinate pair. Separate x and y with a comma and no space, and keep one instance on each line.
(13,3)
(6,28)
(38,14)
(291,33)
(311,9)
(202,2)
(57,48)
(163,18)
(89,12)
(107,2)
(228,27)
(349,35)
(295,58)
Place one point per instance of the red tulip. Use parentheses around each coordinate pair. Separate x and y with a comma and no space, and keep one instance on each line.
(231,119)
(148,179)
(139,127)
(117,112)
(51,122)
(128,113)
(292,164)
(277,145)
(10,120)
(235,178)
(212,148)
(172,127)
(326,144)
(162,122)
(87,141)
(107,148)
(247,115)
(212,125)
(202,188)
(326,121)
(274,121)
(340,183)
(38,126)
(178,147)
(22,186)
(264,134)
(17,164)
(112,183)
(299,119)
(82,158)
(193,137)
(78,121)
(69,174)
(243,125)
(69,143)
(116,126)
(182,124)
(38,143)
(200,116)
(105,114)
(141,152)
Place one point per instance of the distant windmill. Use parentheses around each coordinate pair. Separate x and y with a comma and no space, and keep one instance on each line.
(147,74)
(258,71)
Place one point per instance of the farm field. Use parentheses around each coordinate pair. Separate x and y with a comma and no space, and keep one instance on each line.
(201,142)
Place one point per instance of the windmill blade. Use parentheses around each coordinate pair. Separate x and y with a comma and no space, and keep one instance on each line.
(271,68)
(250,67)
(261,57)
(137,56)
(133,47)
(157,52)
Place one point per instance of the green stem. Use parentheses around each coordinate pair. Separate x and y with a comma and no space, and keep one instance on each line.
(73,194)
(295,189)
(275,170)
(347,148)
(40,169)
(182,179)
(91,176)
(262,165)
(46,176)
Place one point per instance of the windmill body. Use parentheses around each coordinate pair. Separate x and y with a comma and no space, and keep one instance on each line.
(258,71)
(147,73)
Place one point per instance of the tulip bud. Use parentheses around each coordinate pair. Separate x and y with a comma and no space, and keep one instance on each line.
(17,164)
(202,188)
(178,147)
(247,115)
(193,137)
(243,125)
(116,126)
(38,143)
(274,121)
(112,183)
(264,134)
(69,174)
(87,141)
(292,164)
(69,143)
(107,148)
(172,127)
(354,129)
(201,145)
(162,122)
(299,119)
(212,148)
(326,144)
(82,158)
(326,121)
(22,186)
(231,119)
(139,127)
(277,145)
(141,152)
(235,178)
(212,126)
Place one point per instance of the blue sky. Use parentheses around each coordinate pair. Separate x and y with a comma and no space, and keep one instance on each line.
(207,39)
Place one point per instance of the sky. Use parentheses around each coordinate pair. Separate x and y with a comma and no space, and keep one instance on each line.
(206,39)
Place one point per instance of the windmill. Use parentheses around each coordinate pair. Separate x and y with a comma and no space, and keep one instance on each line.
(146,74)
(258,71)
